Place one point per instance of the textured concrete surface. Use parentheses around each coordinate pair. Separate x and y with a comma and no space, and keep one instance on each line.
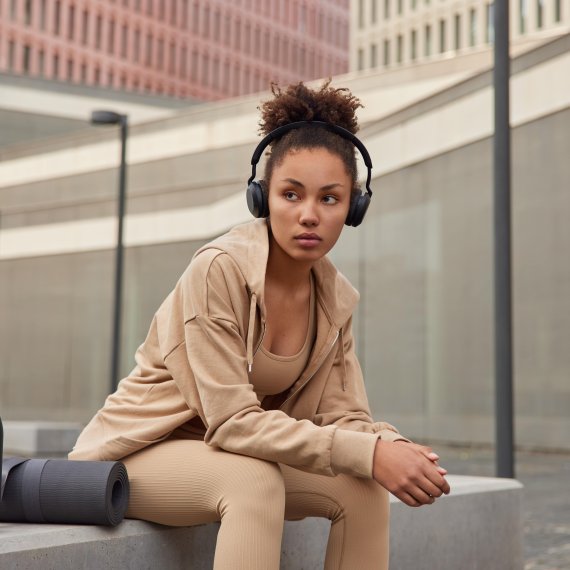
(545,498)
(478,526)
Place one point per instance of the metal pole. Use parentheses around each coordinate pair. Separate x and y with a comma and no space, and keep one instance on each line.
(116,346)
(502,267)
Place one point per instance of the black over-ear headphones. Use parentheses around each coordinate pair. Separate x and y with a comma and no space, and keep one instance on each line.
(257,199)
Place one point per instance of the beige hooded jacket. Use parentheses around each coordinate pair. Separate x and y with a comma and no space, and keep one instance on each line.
(191,372)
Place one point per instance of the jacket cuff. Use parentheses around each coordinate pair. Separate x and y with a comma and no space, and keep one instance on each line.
(389,435)
(352,452)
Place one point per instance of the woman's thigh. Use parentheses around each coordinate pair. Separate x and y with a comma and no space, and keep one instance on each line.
(181,482)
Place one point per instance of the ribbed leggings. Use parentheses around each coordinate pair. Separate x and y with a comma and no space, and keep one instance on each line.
(181,482)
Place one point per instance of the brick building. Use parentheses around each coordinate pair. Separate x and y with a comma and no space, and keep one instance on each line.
(205,49)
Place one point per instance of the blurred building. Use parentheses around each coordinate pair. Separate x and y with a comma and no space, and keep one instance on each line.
(204,49)
(393,33)
(422,259)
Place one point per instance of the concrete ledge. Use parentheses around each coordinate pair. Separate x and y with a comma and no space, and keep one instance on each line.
(39,438)
(478,526)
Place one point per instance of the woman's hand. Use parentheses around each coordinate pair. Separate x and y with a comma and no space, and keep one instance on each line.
(409,471)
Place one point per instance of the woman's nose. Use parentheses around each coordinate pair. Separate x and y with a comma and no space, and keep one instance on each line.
(309,215)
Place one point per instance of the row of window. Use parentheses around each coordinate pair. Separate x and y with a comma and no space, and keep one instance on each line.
(272,48)
(202,69)
(369,12)
(205,21)
(458,42)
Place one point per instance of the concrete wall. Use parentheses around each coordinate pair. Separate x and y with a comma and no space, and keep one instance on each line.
(422,260)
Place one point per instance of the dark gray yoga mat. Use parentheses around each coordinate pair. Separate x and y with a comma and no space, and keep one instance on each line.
(62,491)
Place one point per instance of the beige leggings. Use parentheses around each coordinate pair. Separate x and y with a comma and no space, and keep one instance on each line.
(185,482)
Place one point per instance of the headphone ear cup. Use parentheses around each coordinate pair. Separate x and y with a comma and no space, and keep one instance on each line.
(358,206)
(257,200)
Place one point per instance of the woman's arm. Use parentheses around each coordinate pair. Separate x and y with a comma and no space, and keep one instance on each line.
(211,297)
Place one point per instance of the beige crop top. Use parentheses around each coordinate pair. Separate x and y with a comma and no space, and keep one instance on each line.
(271,373)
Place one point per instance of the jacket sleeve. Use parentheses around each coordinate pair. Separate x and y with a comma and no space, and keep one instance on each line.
(344,402)
(213,289)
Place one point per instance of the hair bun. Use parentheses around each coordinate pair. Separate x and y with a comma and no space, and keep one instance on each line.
(300,103)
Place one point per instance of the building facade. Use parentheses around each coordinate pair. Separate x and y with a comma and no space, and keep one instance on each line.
(395,33)
(422,260)
(205,49)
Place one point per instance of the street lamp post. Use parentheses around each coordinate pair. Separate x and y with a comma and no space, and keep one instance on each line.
(112,118)
(504,422)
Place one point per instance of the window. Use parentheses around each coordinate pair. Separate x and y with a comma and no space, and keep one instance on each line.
(442,42)
(70,68)
(373,55)
(195,18)
(386,53)
(83,73)
(111,44)
(414,45)
(226,77)
(237,35)
(13,10)
(172,58)
(56,17)
(184,15)
(26,60)
(98,26)
(400,7)
(11,55)
(386,9)
(43,15)
(490,28)
(124,40)
(71,23)
(374,11)
(206,22)
(557,10)
(194,67)
(457,42)
(539,13)
(522,16)
(399,48)
(84,27)
(55,66)
(41,62)
(160,54)
(184,62)
(216,74)
(137,46)
(247,47)
(427,39)
(149,41)
(217,25)
(472,27)
(28,12)
(228,31)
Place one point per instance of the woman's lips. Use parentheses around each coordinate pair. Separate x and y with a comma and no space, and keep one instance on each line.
(308,240)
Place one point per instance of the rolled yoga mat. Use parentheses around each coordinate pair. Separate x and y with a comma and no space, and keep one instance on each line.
(63,491)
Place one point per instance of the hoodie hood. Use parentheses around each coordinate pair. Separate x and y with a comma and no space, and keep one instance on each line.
(248,245)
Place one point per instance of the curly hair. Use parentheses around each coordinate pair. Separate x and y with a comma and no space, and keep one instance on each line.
(298,102)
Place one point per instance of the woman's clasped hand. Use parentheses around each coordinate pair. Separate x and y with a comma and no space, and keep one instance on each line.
(410,472)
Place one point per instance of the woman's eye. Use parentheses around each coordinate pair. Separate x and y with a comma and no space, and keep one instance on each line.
(290,195)
(330,199)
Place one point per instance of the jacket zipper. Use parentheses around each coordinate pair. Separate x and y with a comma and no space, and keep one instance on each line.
(315,371)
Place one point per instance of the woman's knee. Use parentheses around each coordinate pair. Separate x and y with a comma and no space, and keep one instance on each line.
(254,485)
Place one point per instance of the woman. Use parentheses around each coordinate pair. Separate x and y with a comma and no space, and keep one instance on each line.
(247,403)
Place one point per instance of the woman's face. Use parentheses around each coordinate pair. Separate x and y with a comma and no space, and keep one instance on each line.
(309,197)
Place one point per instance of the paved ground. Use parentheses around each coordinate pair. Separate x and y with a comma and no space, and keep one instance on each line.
(546,503)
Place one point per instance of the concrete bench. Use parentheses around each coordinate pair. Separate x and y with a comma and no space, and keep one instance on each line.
(478,526)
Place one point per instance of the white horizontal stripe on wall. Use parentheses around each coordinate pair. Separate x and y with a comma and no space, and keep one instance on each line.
(182,224)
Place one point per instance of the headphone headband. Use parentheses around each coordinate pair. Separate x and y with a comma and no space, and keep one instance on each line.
(341,131)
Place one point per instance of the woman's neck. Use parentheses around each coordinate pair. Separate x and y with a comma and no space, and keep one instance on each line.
(284,271)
